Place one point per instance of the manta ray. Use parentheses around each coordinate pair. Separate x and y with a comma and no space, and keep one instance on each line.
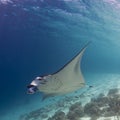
(67,79)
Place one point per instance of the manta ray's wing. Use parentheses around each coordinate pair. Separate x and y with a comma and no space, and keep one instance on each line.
(70,75)
(69,78)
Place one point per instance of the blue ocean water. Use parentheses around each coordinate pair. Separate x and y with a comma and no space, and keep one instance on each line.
(39,36)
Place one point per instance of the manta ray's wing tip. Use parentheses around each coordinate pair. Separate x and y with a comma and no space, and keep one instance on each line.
(87,43)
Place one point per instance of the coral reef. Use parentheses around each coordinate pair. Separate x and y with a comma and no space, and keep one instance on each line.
(100,106)
(75,111)
(113,92)
(92,109)
(34,115)
(59,115)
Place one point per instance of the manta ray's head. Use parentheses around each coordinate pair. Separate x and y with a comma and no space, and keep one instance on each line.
(33,86)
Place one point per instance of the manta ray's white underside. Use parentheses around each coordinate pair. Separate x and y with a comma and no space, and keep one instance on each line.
(68,79)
